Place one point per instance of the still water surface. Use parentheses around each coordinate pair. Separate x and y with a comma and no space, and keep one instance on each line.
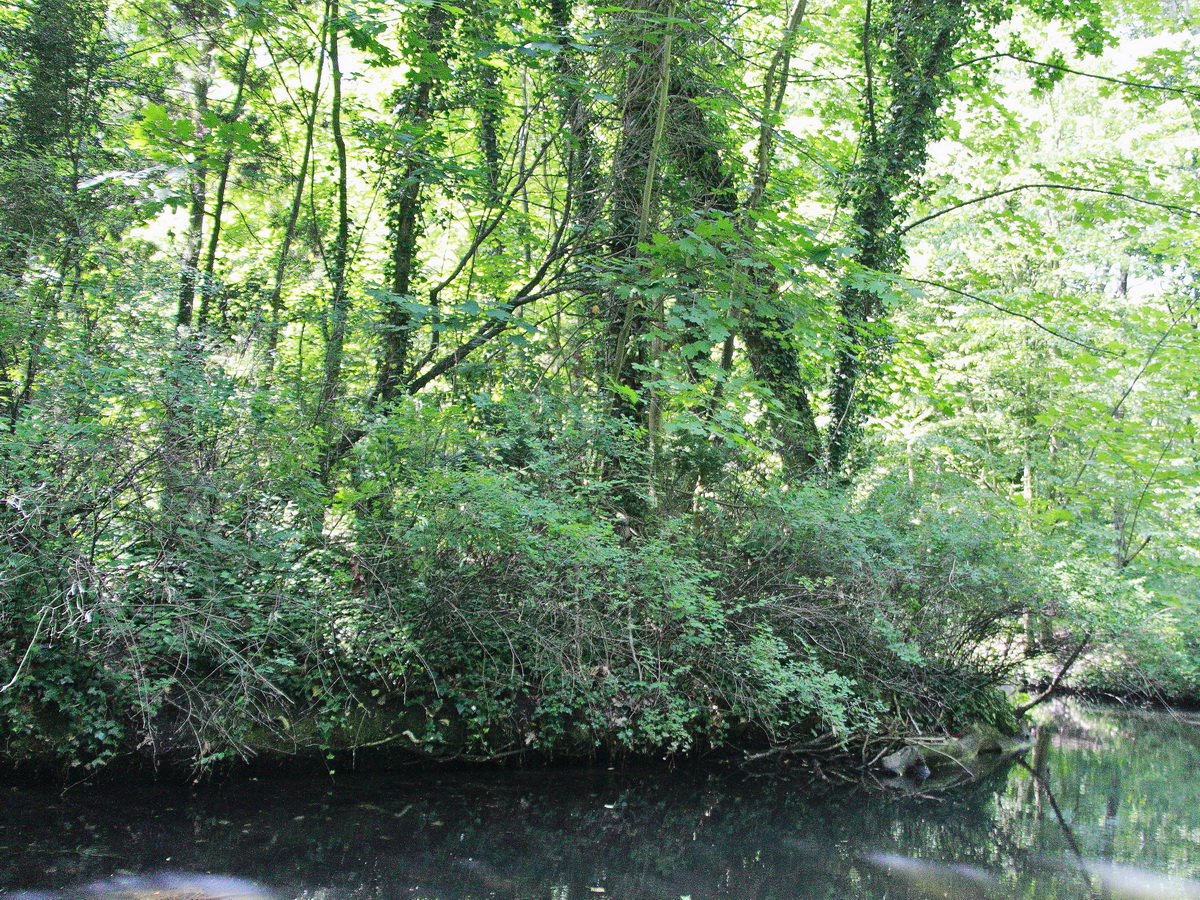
(1113,810)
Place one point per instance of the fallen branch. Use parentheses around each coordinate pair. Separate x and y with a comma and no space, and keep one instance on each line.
(1054,682)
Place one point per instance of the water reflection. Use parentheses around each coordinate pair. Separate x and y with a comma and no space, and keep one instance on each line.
(938,879)
(1130,883)
(1108,802)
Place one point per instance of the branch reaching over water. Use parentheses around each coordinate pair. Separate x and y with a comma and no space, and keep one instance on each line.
(1054,682)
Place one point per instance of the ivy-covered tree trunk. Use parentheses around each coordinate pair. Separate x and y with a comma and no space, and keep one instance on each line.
(489,97)
(775,362)
(918,38)
(49,68)
(582,156)
(643,107)
(50,55)
(766,325)
(698,152)
(418,107)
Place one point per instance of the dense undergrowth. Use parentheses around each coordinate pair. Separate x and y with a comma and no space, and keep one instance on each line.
(470,594)
(588,379)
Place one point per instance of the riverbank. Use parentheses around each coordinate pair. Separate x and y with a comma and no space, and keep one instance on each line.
(504,623)
(478,616)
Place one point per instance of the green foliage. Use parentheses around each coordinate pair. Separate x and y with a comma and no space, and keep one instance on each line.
(465,604)
(520,374)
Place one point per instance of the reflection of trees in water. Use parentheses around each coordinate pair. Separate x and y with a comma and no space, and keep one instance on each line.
(648,835)
(637,835)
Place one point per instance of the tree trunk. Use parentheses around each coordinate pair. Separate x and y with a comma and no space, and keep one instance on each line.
(189,264)
(335,336)
(404,207)
(275,300)
(765,323)
(207,281)
(920,36)
(633,194)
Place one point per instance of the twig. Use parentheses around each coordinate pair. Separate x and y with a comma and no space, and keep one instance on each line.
(1099,351)
(1143,85)
(28,650)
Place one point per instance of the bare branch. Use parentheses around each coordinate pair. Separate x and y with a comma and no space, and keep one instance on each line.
(487,228)
(1054,682)
(1012,312)
(1124,82)
(1188,211)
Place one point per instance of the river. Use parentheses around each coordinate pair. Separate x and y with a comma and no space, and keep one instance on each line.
(1106,804)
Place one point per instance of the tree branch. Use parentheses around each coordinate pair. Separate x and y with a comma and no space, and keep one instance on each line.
(1012,312)
(1150,356)
(1128,559)
(482,335)
(1143,85)
(486,229)
(1050,186)
(1054,682)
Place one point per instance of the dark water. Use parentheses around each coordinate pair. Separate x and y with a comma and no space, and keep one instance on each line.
(1113,810)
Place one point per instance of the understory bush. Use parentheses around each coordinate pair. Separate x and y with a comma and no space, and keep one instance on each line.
(471,594)
(1134,645)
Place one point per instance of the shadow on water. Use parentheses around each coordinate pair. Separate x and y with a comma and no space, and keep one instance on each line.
(1107,805)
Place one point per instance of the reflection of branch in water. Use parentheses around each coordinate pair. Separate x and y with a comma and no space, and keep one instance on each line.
(1066,829)
(1111,807)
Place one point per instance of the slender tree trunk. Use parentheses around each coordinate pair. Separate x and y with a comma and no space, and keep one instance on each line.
(181,458)
(275,300)
(654,408)
(208,277)
(189,266)
(405,208)
(339,302)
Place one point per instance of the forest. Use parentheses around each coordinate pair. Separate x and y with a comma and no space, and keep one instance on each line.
(478,379)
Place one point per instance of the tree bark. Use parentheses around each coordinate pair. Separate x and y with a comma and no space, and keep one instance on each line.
(404,207)
(335,335)
(920,36)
